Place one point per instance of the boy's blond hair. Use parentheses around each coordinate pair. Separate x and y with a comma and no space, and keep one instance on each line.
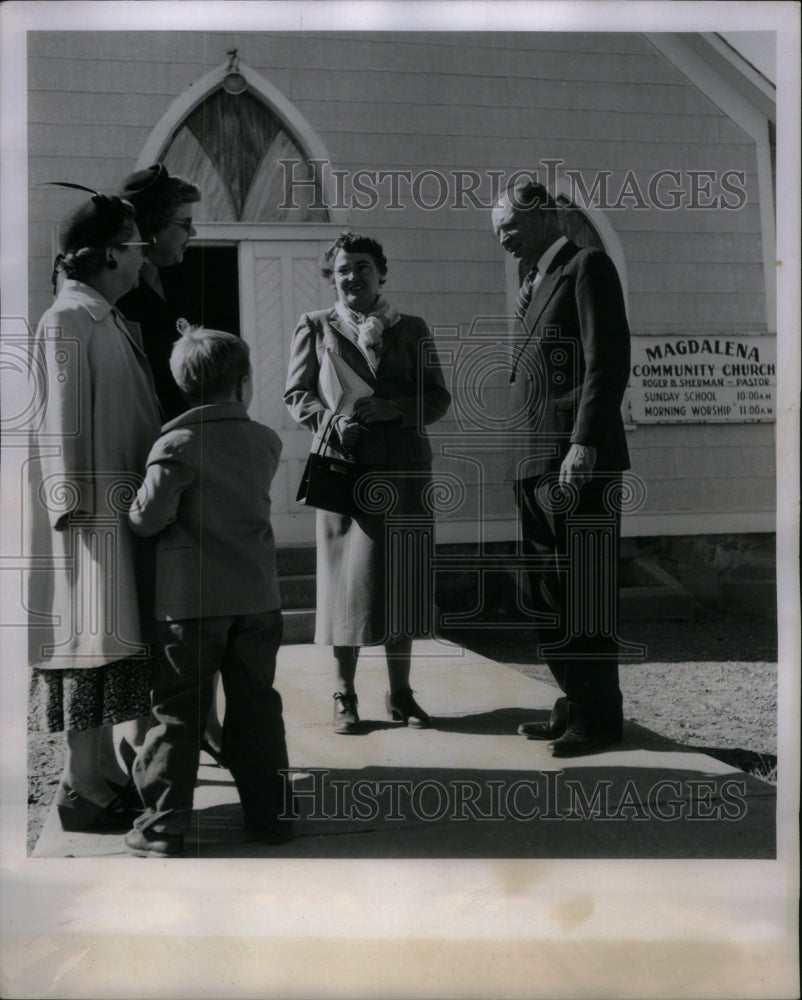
(208,365)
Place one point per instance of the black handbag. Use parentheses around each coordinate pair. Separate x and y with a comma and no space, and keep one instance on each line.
(328,481)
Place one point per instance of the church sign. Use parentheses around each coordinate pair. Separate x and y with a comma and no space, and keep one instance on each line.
(691,379)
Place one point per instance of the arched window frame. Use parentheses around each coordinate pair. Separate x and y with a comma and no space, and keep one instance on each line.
(612,247)
(285,110)
(608,236)
(600,222)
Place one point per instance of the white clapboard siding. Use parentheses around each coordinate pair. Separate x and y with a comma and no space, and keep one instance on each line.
(496,101)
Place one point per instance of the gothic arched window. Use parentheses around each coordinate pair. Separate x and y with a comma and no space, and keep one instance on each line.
(575,225)
(231,146)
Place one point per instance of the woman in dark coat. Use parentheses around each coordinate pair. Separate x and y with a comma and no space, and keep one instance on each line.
(357,605)
(164,206)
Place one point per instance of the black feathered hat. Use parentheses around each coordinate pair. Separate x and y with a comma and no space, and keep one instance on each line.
(94,223)
(145,188)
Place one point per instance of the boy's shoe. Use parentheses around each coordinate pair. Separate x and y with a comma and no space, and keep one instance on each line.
(151,844)
(346,716)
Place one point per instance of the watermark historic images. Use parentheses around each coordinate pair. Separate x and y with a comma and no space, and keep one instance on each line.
(431,189)
(540,795)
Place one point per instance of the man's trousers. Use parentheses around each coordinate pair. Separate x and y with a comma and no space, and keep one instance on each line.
(576,534)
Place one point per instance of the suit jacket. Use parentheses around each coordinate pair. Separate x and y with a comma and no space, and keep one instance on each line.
(207,491)
(571,367)
(398,377)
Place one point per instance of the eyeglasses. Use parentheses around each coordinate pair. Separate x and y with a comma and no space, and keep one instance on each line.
(185,224)
(361,269)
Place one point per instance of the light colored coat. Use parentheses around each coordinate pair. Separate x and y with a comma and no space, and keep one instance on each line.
(89,444)
(356,603)
(412,380)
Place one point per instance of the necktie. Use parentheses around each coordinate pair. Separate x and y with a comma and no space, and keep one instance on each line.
(525,294)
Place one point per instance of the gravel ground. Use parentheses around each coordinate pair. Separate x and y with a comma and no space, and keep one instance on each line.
(710,683)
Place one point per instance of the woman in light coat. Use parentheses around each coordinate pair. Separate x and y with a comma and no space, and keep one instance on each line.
(100,417)
(358,602)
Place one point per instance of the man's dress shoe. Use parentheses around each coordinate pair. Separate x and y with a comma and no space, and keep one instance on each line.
(541,730)
(551,730)
(578,744)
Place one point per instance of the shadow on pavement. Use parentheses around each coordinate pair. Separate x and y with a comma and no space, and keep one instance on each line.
(580,812)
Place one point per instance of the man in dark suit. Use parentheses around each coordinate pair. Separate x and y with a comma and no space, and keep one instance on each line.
(566,458)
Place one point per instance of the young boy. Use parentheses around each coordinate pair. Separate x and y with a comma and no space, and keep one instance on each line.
(217,599)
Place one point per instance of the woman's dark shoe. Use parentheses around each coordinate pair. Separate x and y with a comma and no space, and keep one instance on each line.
(213,751)
(79,815)
(402,707)
(128,794)
(127,755)
(346,716)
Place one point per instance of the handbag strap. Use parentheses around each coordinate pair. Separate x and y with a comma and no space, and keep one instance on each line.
(324,439)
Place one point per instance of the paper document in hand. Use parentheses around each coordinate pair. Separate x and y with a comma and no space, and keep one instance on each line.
(340,386)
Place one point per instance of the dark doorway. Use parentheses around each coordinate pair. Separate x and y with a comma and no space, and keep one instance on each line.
(205,287)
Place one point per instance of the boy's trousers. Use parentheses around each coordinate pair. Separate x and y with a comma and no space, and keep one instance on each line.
(243,648)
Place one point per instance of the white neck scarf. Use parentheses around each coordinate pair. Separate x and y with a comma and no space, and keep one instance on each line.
(367,328)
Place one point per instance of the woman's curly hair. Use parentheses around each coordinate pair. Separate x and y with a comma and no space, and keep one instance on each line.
(157,213)
(354,243)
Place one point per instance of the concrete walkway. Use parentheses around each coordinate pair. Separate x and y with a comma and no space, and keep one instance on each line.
(469,787)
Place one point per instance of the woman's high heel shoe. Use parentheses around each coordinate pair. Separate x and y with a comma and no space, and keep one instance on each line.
(402,707)
(79,815)
(128,794)
(213,751)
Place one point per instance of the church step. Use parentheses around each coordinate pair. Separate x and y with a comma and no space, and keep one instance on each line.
(296,579)
(297,591)
(295,560)
(646,592)
(299,625)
